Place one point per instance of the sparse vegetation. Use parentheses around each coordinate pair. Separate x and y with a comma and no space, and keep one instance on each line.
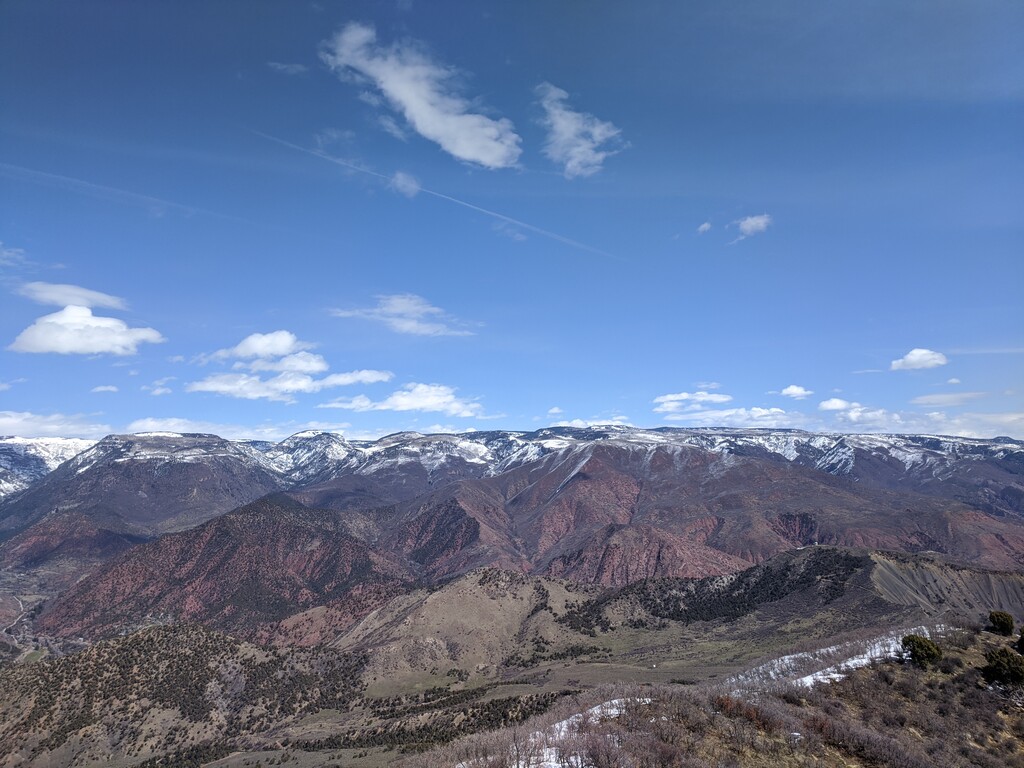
(922,651)
(1001,623)
(884,715)
(824,571)
(204,688)
(1004,666)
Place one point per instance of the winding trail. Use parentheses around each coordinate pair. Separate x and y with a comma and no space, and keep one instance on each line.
(21,605)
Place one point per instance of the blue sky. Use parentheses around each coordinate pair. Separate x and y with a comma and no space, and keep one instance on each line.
(259,218)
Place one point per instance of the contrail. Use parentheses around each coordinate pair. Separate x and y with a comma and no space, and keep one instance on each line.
(111,193)
(493,214)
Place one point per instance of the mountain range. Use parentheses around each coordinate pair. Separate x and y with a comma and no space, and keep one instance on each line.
(239,535)
(563,501)
(425,573)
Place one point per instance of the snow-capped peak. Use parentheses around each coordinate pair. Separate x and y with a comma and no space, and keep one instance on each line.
(24,460)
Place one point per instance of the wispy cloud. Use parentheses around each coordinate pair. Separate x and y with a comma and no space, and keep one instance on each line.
(392,128)
(762,418)
(408,313)
(510,231)
(752,225)
(154,205)
(329,136)
(104,388)
(297,362)
(577,141)
(288,69)
(28,424)
(597,421)
(688,400)
(265,431)
(429,398)
(405,184)
(854,417)
(424,92)
(75,330)
(917,359)
(12,257)
(704,228)
(948,400)
(493,214)
(159,387)
(62,295)
(282,387)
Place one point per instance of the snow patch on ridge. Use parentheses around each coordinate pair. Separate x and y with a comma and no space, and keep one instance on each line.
(832,663)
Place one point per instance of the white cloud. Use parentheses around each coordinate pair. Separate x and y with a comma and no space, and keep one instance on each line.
(854,417)
(835,404)
(446,429)
(431,398)
(423,91)
(601,421)
(288,69)
(984,424)
(675,403)
(861,417)
(703,228)
(953,381)
(947,400)
(61,295)
(918,358)
(299,362)
(764,418)
(280,352)
(27,424)
(575,139)
(104,388)
(796,392)
(159,387)
(281,387)
(866,418)
(74,330)
(264,345)
(405,184)
(752,225)
(267,431)
(555,411)
(407,313)
(707,385)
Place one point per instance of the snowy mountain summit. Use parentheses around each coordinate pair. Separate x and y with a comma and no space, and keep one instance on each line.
(24,460)
(992,468)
